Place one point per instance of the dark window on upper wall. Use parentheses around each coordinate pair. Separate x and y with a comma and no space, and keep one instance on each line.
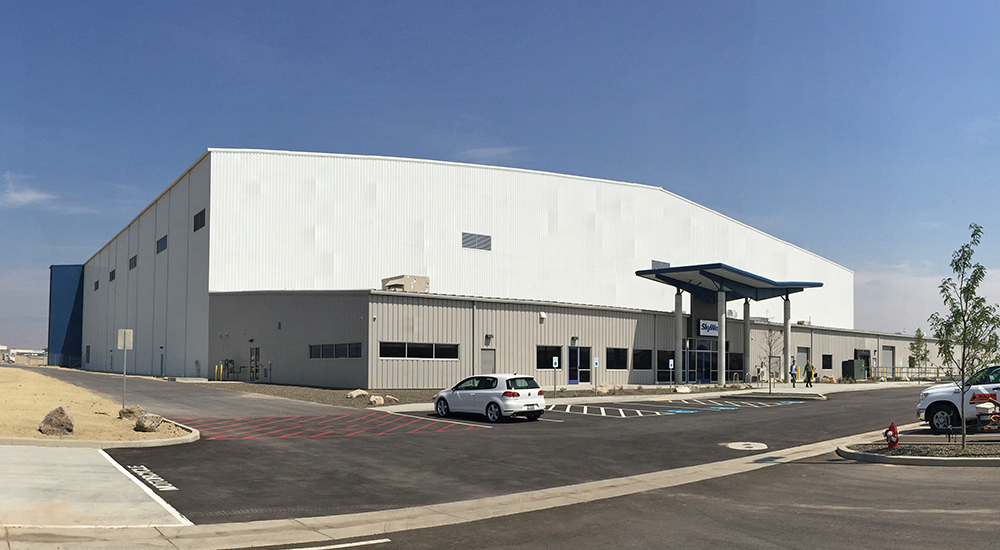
(642,359)
(199,220)
(544,355)
(827,361)
(354,350)
(88,355)
(133,261)
(97,284)
(315,352)
(479,242)
(111,276)
(617,359)
(446,351)
(327,351)
(420,351)
(340,350)
(161,244)
(392,349)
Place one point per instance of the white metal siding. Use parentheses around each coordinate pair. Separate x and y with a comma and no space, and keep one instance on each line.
(327,222)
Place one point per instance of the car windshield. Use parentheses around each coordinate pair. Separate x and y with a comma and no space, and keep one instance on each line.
(521,384)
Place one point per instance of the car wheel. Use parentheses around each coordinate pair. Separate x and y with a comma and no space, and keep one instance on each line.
(941,418)
(442,408)
(493,413)
(533,416)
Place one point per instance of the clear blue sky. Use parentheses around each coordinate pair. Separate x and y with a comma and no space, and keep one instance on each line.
(866,132)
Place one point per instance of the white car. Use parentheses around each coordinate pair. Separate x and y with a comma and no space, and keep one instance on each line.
(494,395)
(939,404)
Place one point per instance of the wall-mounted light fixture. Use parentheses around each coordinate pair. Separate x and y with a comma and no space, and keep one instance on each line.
(574,339)
(250,340)
(542,315)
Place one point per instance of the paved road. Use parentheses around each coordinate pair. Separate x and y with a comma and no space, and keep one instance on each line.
(822,503)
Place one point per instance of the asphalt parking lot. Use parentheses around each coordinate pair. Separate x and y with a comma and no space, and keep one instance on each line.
(338,461)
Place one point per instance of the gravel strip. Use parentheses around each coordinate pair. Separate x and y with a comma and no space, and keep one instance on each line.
(936,450)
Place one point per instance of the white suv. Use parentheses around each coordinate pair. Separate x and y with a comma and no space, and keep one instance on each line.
(939,404)
(495,395)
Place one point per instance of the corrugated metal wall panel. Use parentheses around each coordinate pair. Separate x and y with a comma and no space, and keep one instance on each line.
(341,222)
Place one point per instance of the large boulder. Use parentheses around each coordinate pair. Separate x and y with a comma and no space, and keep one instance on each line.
(148,422)
(683,389)
(356,393)
(603,389)
(131,413)
(390,400)
(376,400)
(57,422)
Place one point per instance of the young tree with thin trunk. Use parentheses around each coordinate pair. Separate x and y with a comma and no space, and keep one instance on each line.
(967,332)
(919,354)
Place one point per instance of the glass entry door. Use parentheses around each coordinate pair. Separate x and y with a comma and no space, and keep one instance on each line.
(702,364)
(579,365)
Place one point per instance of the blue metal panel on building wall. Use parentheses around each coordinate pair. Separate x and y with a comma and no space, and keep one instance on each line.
(65,315)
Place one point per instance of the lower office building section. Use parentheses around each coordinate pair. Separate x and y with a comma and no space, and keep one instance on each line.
(392,340)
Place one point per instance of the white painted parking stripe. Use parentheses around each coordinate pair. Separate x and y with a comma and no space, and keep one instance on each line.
(551,420)
(603,412)
(346,545)
(622,411)
(697,401)
(148,490)
(584,409)
(441,420)
(638,412)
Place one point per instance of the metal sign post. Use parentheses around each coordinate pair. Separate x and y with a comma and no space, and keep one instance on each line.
(555,365)
(124,343)
(671,374)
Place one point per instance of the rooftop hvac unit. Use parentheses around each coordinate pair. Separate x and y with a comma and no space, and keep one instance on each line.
(407,283)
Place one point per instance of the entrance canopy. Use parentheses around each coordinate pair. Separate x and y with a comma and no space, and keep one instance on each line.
(706,281)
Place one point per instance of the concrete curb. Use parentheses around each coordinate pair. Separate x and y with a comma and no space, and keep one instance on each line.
(862,456)
(191,437)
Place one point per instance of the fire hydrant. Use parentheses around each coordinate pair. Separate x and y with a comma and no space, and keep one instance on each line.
(891,435)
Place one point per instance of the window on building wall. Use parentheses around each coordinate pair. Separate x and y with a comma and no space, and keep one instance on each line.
(544,355)
(392,349)
(827,362)
(446,351)
(327,351)
(133,261)
(340,351)
(111,276)
(199,220)
(420,351)
(87,360)
(161,244)
(354,349)
(642,359)
(315,351)
(97,284)
(476,241)
(617,359)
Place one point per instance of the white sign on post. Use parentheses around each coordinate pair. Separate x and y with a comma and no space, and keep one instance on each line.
(125,338)
(124,343)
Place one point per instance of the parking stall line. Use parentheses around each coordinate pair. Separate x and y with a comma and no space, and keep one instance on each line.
(621,412)
(603,412)
(584,409)
(237,431)
(397,427)
(638,412)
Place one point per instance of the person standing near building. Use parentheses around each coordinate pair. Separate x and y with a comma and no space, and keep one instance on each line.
(810,372)
(793,371)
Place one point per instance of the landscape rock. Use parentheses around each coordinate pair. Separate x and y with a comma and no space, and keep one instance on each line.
(828,380)
(131,413)
(148,422)
(57,422)
(603,389)
(904,378)
(376,400)
(356,393)
(881,379)
(683,389)
(390,400)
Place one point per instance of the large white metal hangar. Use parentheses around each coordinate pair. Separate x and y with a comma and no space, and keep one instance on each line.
(358,271)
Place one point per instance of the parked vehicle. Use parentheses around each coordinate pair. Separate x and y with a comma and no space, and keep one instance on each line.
(939,405)
(493,395)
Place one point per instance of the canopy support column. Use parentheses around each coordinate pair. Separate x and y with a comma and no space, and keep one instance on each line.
(721,361)
(786,360)
(747,348)
(678,336)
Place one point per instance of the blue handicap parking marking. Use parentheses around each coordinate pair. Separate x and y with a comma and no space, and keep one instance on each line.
(678,411)
(723,408)
(791,402)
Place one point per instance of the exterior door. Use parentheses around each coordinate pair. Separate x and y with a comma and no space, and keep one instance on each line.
(489,358)
(579,365)
(463,396)
(802,356)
